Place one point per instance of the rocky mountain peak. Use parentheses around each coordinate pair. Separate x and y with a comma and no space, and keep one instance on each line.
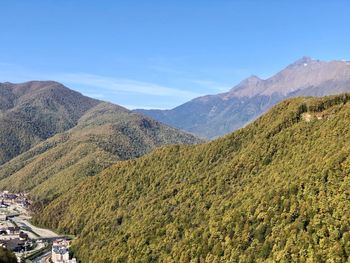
(247,87)
(215,115)
(303,60)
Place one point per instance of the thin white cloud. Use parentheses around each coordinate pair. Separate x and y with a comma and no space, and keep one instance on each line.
(95,95)
(134,107)
(211,85)
(123,85)
(167,70)
(105,87)
(11,72)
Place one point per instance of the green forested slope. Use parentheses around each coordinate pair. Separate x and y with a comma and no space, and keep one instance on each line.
(277,190)
(104,134)
(34,111)
(6,256)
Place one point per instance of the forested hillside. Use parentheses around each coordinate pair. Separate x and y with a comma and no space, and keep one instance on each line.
(105,134)
(6,256)
(34,111)
(87,136)
(277,190)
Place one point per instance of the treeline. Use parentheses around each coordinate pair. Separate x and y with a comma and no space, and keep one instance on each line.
(277,190)
(7,256)
(102,135)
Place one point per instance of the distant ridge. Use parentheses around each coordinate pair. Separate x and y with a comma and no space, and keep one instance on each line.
(215,115)
(51,137)
(276,190)
(34,111)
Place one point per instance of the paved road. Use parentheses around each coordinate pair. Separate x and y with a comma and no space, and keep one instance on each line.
(22,220)
(43,233)
(42,258)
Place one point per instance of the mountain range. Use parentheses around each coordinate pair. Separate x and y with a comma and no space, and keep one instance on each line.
(53,137)
(34,111)
(216,115)
(132,189)
(274,191)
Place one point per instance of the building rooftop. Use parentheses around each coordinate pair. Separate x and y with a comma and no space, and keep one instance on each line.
(60,250)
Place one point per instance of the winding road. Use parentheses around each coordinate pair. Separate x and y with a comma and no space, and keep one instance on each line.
(43,258)
(41,232)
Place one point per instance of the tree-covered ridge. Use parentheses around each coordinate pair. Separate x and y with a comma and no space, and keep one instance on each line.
(276,190)
(103,135)
(7,256)
(34,111)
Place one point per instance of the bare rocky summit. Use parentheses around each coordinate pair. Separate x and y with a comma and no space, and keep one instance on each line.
(215,115)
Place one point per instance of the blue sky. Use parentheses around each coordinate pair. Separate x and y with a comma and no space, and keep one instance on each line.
(159,54)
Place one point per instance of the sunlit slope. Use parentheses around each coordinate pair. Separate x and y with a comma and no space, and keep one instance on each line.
(277,190)
(105,134)
(34,111)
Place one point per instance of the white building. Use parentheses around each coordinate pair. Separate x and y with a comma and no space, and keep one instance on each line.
(60,252)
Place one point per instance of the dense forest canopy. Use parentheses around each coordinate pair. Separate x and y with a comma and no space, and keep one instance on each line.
(7,256)
(276,190)
(88,136)
(33,111)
